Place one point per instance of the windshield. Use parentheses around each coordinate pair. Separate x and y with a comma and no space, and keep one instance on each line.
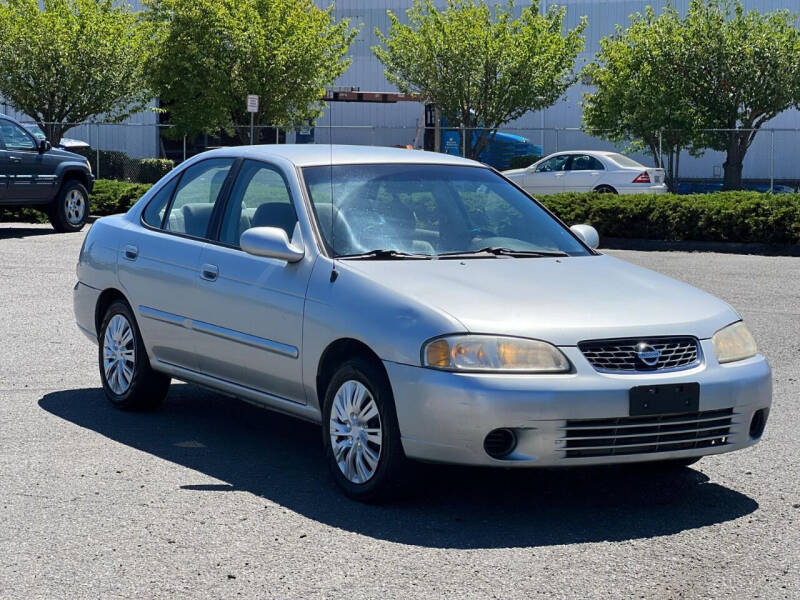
(430,210)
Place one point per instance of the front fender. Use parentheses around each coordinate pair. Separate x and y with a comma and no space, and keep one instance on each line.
(391,324)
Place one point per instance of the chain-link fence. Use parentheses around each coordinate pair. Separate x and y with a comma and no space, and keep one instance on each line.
(145,152)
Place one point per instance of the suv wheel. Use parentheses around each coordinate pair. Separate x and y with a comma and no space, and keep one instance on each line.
(70,209)
(128,380)
(361,434)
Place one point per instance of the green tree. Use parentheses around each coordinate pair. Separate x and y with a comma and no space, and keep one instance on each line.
(718,68)
(742,69)
(213,53)
(71,61)
(638,96)
(481,66)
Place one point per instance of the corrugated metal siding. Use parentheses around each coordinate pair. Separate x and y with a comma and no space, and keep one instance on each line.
(366,73)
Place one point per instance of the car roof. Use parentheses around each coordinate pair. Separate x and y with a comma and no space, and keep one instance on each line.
(305,155)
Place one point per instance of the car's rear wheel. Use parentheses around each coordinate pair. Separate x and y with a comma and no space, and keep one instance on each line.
(128,380)
(70,210)
(605,189)
(361,434)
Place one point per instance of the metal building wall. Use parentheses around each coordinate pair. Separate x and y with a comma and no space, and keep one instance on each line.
(366,73)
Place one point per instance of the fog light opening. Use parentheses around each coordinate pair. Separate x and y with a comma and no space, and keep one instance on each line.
(499,443)
(758,423)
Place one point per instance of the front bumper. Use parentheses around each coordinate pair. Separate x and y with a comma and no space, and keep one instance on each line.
(445,417)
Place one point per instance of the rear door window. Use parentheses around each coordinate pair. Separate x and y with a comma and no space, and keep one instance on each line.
(198,190)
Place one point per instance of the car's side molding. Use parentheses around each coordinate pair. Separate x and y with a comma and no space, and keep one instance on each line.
(220,332)
(262,399)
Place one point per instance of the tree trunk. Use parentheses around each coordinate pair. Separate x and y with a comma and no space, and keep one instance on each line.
(53,132)
(734,162)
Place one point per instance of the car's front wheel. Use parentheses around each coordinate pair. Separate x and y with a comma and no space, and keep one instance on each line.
(361,433)
(70,210)
(128,380)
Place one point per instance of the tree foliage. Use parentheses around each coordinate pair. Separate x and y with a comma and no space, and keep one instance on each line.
(70,61)
(743,70)
(639,97)
(213,53)
(719,67)
(481,66)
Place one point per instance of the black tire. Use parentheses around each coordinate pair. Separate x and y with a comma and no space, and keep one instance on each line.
(605,189)
(391,472)
(63,216)
(147,388)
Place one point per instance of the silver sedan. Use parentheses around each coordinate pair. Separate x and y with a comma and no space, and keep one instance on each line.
(417,306)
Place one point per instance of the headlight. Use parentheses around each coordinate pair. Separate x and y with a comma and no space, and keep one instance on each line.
(491,353)
(734,342)
(89,164)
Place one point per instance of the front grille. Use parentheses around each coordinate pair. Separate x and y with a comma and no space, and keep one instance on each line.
(622,355)
(645,435)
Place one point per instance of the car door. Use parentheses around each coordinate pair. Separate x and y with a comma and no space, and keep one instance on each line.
(29,177)
(584,173)
(546,177)
(250,308)
(158,263)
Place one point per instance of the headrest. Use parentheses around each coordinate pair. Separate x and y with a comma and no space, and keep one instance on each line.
(275,214)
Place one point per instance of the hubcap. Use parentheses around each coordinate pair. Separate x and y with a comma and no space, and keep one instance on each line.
(119,354)
(355,429)
(75,206)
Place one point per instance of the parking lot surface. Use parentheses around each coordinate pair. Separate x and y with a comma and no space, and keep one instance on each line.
(213,498)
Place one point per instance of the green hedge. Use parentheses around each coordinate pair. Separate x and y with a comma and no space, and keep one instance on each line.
(119,166)
(722,217)
(110,197)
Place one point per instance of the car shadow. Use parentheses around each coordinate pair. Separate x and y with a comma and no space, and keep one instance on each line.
(7,233)
(281,459)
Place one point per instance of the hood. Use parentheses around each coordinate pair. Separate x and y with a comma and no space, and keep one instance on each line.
(563,301)
(61,153)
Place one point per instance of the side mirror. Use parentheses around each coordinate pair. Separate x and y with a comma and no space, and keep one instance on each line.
(270,242)
(44,146)
(588,234)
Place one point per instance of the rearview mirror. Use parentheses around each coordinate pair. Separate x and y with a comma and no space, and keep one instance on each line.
(270,242)
(588,234)
(44,146)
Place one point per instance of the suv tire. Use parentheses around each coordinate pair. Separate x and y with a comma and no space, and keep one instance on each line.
(70,210)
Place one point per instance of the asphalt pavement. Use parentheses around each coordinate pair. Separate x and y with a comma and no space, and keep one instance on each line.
(213,498)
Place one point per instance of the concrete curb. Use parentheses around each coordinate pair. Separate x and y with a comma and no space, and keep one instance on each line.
(692,246)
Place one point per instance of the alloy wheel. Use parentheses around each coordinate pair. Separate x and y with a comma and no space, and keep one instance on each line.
(74,207)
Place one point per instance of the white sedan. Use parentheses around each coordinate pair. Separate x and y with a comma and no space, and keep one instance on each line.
(586,171)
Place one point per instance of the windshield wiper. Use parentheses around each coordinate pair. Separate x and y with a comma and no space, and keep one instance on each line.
(500,251)
(384,254)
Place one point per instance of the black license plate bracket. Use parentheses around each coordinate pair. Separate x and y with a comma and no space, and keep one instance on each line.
(664,399)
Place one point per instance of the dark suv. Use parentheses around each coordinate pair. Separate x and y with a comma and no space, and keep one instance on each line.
(34,174)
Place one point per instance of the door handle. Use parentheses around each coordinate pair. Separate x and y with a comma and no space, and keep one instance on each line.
(209,272)
(131,252)
(14,159)
(560,174)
